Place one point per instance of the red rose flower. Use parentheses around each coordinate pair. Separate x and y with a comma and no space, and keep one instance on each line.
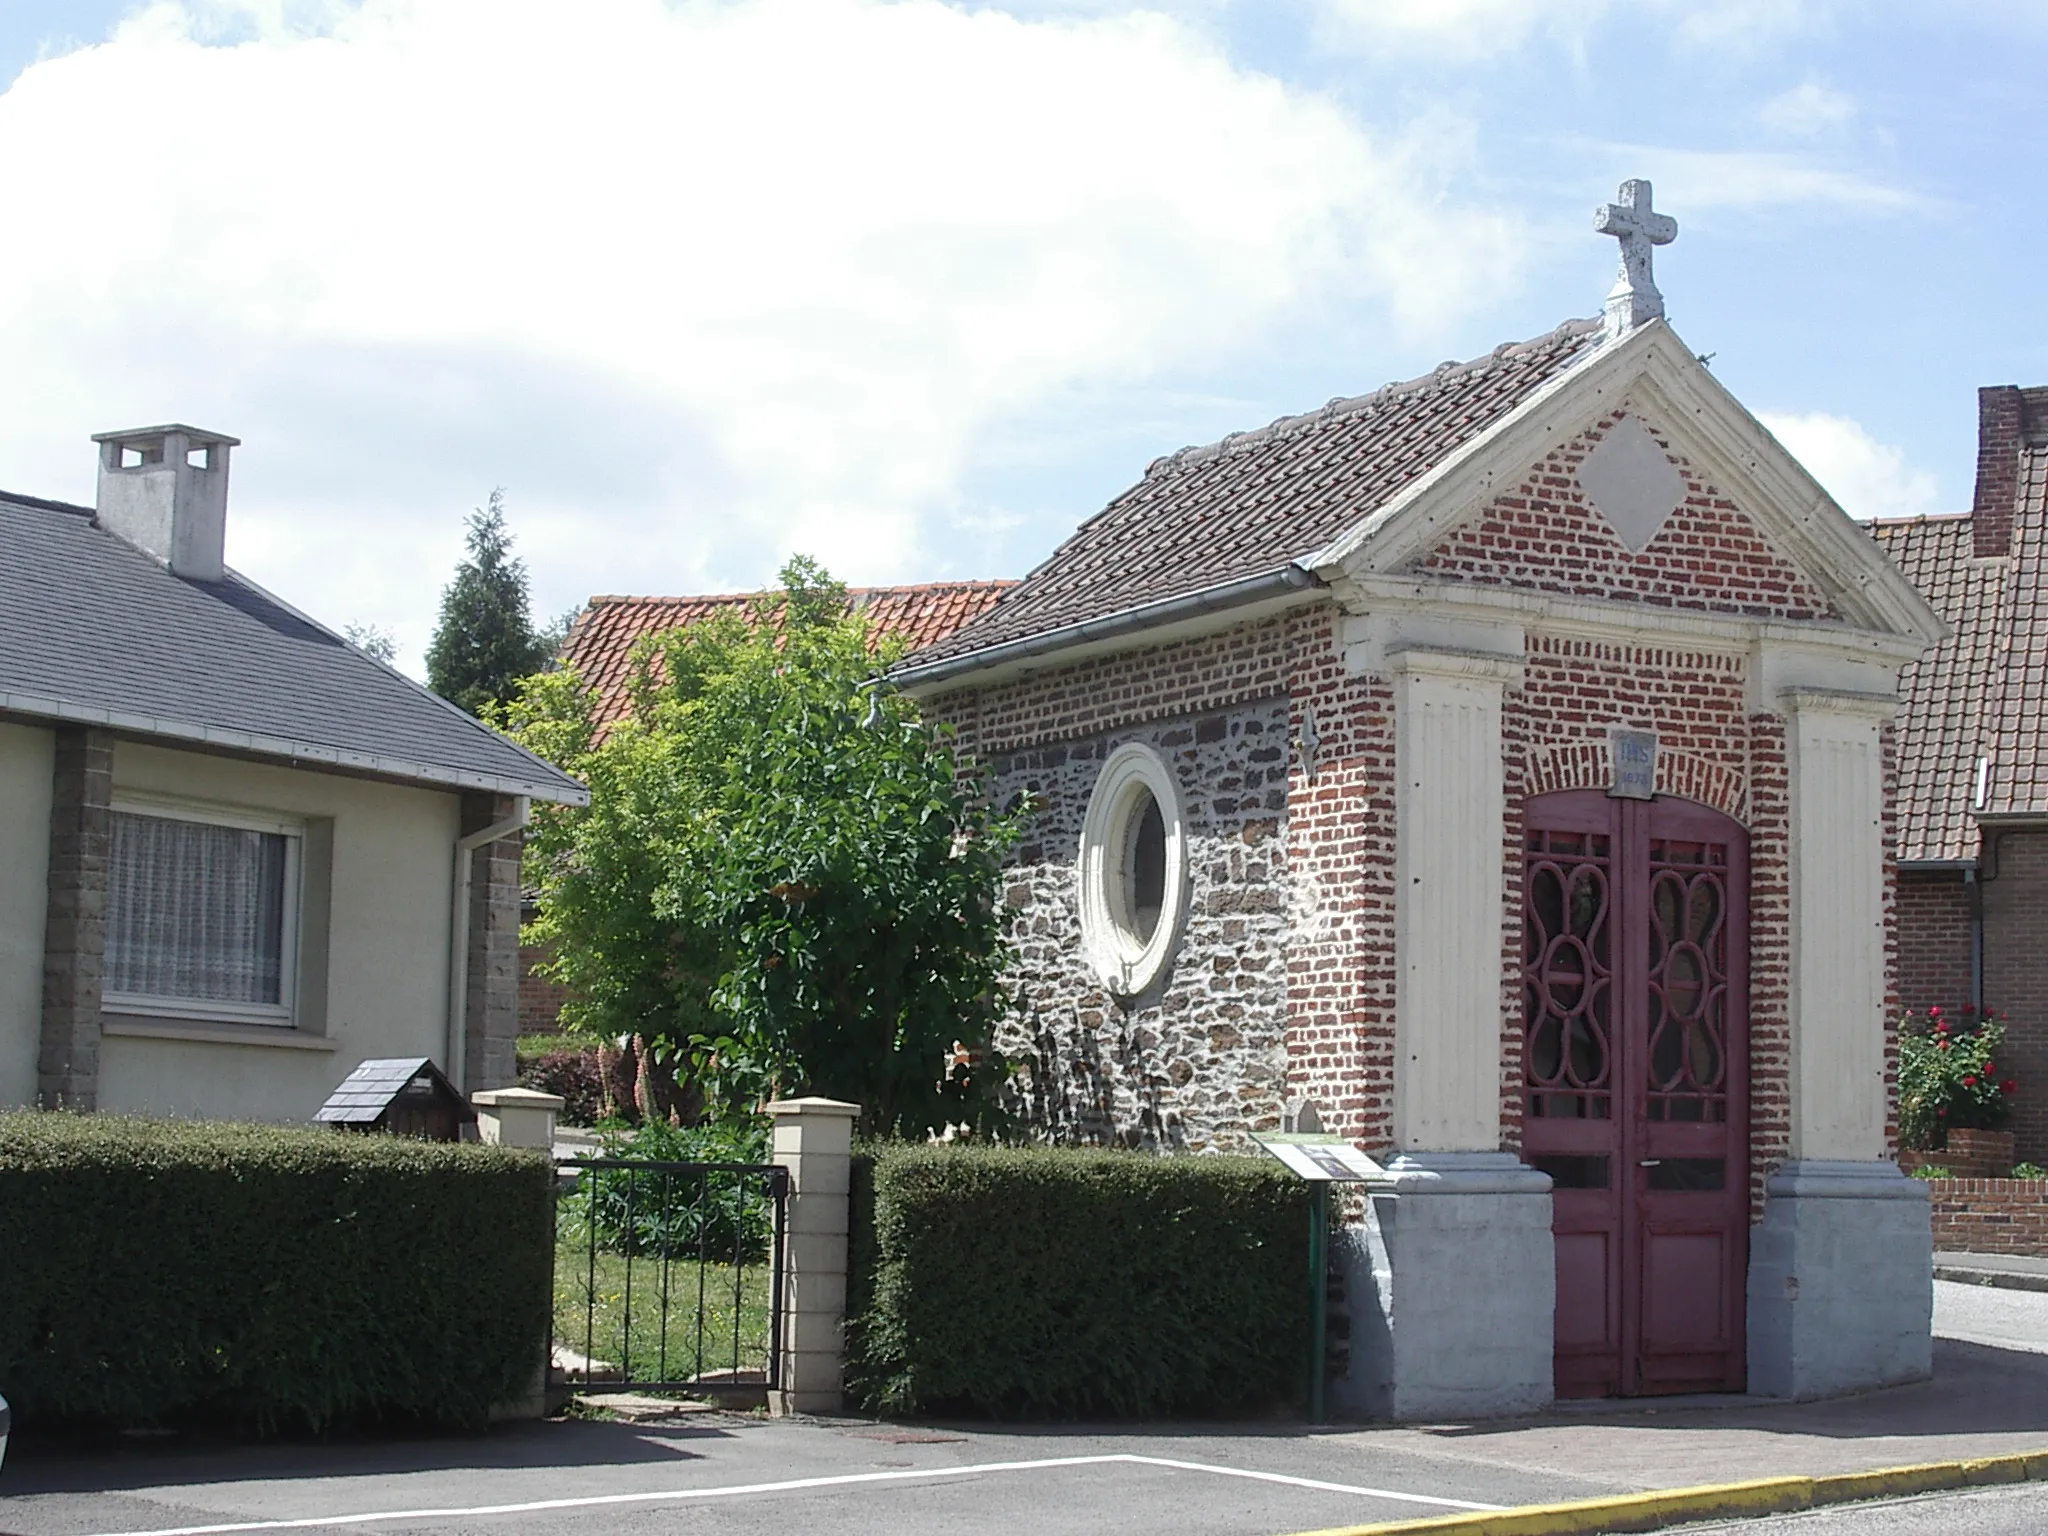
(1941,1114)
(1969,1080)
(2009,1086)
(1941,1045)
(1934,1013)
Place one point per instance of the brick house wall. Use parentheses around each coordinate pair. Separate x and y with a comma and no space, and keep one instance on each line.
(1934,940)
(540,998)
(2016,975)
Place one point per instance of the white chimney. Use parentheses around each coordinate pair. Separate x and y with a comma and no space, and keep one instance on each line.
(165,490)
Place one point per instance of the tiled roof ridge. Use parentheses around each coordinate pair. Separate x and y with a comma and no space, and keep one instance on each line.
(1346,405)
(1909,519)
(977,583)
(45,504)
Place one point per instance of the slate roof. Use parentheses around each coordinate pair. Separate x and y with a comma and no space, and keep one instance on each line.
(94,630)
(363,1096)
(1259,502)
(1949,694)
(602,637)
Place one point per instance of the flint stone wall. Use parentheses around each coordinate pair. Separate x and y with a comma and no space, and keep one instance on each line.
(1200,1059)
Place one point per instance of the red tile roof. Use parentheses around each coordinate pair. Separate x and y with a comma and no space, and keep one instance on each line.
(1949,692)
(602,637)
(1982,694)
(1257,502)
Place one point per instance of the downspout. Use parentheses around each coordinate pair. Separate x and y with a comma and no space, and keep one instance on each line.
(458,929)
(1976,889)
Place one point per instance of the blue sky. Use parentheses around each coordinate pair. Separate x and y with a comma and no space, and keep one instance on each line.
(916,287)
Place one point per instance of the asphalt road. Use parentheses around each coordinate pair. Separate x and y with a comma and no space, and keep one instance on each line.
(740,1475)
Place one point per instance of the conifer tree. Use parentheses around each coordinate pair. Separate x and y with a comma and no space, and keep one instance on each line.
(485,640)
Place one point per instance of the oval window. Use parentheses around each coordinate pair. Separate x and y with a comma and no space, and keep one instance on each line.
(1133,870)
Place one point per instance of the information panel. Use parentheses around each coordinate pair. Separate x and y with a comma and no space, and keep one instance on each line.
(1322,1159)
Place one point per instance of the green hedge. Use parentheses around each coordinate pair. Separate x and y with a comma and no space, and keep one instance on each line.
(1052,1283)
(159,1272)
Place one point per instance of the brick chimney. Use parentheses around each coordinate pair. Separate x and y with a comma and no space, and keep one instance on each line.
(165,490)
(2009,421)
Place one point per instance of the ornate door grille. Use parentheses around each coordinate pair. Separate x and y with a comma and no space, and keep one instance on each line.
(1635,1071)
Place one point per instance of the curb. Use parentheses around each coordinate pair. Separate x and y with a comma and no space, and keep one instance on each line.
(2000,1279)
(1681,1506)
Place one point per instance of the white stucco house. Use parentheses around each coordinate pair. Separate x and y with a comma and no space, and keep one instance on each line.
(237,855)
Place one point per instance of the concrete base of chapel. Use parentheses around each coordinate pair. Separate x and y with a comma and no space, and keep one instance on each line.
(1841,1291)
(1452,1284)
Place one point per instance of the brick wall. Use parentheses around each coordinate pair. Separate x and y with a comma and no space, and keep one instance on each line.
(540,999)
(1934,940)
(1990,1216)
(2016,975)
(1545,535)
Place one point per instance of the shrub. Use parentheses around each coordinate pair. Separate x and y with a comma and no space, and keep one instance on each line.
(162,1272)
(1050,1282)
(1929,1171)
(723,1216)
(1948,1076)
(578,1076)
(2028,1171)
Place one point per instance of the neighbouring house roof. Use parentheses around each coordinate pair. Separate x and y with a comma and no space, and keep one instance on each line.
(1979,697)
(600,643)
(95,631)
(1259,503)
(1947,696)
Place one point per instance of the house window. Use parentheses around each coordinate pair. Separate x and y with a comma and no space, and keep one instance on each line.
(202,914)
(1133,870)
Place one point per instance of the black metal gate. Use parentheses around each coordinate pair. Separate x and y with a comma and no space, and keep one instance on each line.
(669,1276)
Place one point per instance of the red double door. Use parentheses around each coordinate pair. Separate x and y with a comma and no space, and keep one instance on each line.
(1635,1083)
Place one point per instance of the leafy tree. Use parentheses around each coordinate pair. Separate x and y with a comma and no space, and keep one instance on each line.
(485,640)
(372,640)
(782,873)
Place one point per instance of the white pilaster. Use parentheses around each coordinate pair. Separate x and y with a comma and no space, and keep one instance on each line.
(1835,764)
(1450,812)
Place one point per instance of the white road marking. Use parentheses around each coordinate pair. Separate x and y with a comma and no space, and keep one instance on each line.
(841,1480)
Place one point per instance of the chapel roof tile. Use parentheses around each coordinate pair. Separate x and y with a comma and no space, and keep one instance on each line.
(600,642)
(1258,502)
(2018,783)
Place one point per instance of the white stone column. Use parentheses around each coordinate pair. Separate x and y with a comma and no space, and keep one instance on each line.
(1450,823)
(1835,764)
(814,1141)
(1840,1281)
(1453,1278)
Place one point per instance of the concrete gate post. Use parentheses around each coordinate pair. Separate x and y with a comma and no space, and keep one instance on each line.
(814,1141)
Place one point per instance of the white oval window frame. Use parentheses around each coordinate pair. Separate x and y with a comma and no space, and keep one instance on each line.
(1126,966)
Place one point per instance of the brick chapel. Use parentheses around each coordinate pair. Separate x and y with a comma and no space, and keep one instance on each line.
(1499,768)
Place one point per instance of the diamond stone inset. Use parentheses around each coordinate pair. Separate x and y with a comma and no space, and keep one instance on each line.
(1635,486)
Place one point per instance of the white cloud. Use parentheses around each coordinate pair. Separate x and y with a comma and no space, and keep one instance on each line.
(1473,29)
(1702,180)
(1812,107)
(698,283)
(1868,478)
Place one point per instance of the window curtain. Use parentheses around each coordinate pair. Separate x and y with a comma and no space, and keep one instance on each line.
(196,911)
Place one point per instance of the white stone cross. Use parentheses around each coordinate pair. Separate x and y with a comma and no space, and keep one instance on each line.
(1634,299)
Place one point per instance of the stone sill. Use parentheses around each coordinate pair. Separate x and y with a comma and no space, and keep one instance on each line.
(214,1032)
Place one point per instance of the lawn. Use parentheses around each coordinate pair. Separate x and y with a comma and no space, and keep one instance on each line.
(687,1320)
